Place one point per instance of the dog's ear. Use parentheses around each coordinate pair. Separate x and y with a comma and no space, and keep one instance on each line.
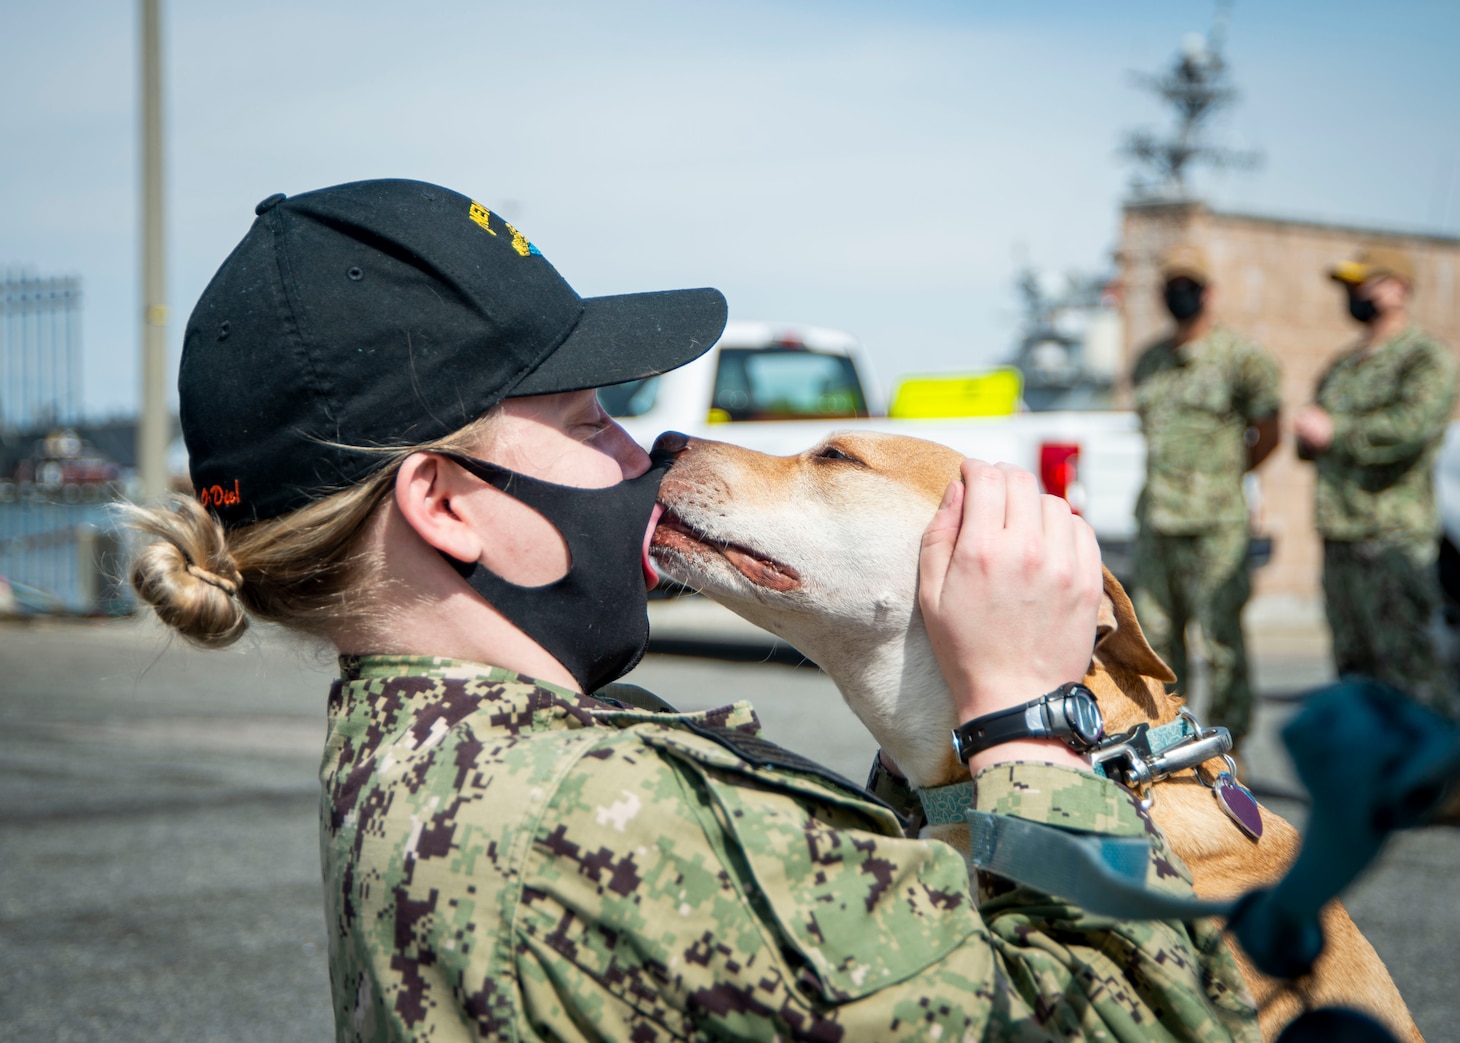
(1119,640)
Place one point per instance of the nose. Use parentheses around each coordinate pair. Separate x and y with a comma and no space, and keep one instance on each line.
(670,444)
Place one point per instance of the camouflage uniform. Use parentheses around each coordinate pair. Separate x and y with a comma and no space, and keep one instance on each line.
(508,860)
(1376,511)
(1196,402)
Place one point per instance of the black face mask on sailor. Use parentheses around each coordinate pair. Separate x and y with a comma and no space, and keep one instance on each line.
(1361,308)
(594,619)
(1183,299)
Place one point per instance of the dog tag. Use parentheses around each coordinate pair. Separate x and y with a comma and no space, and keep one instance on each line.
(1239,804)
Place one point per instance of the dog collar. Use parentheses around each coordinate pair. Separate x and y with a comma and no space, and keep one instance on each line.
(1146,755)
(1158,740)
(946,805)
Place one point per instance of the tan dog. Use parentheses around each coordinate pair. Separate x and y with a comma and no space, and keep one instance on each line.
(821,549)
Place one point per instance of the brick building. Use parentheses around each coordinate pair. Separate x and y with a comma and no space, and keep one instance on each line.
(1271,282)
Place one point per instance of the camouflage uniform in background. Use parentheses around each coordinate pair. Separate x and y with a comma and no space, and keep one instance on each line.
(1376,511)
(509,860)
(1196,402)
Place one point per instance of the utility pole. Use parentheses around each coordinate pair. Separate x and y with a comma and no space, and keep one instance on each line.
(153,427)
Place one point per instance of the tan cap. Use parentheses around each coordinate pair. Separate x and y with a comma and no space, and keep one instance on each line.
(1374,260)
(1186,262)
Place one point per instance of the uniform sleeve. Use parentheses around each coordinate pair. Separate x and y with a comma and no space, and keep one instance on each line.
(667,896)
(1259,384)
(1146,364)
(1400,431)
(1319,387)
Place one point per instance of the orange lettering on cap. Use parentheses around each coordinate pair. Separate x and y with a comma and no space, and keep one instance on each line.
(218,496)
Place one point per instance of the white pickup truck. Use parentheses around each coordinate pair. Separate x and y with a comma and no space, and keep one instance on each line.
(781,388)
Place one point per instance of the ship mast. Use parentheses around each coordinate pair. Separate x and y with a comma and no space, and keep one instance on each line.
(1196,87)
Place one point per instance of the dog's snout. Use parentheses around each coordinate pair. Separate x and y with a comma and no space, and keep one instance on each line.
(670,443)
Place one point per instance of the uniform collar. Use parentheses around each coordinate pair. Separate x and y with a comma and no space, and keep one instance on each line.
(1194,348)
(519,698)
(1363,351)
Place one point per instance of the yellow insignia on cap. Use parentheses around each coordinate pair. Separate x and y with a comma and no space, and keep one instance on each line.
(519,241)
(1351,272)
(1375,259)
(482,216)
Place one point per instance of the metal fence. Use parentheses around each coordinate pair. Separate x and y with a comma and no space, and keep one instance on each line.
(62,558)
(40,349)
(61,549)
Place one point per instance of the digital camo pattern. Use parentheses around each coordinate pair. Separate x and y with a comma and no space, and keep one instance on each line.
(1380,596)
(1202,578)
(1196,402)
(1390,407)
(1046,793)
(507,860)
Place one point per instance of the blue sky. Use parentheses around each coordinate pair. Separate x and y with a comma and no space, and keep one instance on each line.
(870,166)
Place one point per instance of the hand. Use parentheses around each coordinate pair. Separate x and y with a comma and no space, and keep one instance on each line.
(1009,586)
(1313,428)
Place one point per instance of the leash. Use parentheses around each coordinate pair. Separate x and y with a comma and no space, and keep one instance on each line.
(1144,756)
(1105,876)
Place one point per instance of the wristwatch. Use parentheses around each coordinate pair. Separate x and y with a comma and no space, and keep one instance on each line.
(1070,712)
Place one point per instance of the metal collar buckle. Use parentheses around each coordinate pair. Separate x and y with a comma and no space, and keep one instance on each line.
(1142,757)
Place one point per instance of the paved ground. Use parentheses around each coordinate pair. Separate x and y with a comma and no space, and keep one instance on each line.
(158,859)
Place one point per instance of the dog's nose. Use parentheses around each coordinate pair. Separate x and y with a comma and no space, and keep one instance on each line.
(670,443)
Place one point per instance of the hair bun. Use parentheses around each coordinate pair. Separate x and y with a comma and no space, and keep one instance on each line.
(187,575)
(228,585)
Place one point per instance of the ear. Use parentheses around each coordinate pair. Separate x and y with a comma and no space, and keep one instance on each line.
(1119,640)
(425,491)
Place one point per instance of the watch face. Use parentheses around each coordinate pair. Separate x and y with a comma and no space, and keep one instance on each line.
(1083,714)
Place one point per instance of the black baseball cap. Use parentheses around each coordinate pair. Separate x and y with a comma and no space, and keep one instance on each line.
(388,314)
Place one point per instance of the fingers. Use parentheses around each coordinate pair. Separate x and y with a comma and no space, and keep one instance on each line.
(939,540)
(1010,588)
(949,516)
(998,500)
(1087,554)
(1024,505)
(1070,544)
(1071,554)
(1057,524)
(984,502)
(992,499)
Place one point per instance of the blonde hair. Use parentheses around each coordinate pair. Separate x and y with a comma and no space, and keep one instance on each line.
(305,570)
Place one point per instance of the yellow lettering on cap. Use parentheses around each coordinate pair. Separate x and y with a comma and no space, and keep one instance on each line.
(519,241)
(482,216)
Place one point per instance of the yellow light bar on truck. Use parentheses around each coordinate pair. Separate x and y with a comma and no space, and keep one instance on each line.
(993,392)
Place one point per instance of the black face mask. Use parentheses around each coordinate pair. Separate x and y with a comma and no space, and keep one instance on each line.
(1183,300)
(594,619)
(1362,309)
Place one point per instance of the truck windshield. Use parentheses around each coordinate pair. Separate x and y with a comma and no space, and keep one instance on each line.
(787,384)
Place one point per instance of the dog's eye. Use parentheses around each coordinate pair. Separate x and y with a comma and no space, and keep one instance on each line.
(833,453)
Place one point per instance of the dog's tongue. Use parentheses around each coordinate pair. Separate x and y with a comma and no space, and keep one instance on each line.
(651,574)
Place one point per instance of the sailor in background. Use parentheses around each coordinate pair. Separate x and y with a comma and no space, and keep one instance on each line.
(1373,432)
(1208,401)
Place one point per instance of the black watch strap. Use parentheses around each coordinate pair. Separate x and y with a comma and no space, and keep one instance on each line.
(1047,717)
